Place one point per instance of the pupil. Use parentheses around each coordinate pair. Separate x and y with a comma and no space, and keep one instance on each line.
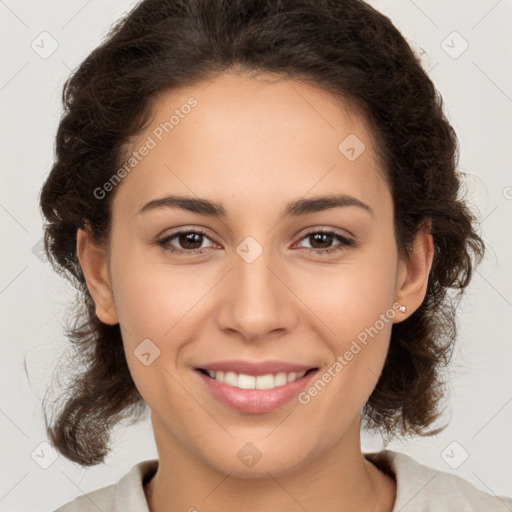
(319,236)
(189,239)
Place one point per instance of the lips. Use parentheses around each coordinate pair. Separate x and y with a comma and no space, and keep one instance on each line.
(244,381)
(255,387)
(256,368)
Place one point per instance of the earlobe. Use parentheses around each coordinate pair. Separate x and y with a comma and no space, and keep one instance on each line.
(414,272)
(93,260)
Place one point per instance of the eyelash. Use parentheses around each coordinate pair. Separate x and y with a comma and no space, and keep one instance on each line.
(346,242)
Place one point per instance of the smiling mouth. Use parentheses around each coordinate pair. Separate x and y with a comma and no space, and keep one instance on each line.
(245,381)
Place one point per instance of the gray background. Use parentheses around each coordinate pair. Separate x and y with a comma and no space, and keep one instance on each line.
(477,89)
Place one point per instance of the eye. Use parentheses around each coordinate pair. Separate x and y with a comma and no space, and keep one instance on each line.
(192,240)
(188,239)
(323,238)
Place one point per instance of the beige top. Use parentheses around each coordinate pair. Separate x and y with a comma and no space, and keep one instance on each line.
(419,489)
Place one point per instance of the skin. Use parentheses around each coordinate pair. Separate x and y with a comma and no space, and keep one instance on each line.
(254,144)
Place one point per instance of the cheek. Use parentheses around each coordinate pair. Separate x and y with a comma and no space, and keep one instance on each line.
(152,297)
(358,309)
(152,303)
(352,296)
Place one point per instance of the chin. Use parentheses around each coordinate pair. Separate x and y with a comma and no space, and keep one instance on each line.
(249,462)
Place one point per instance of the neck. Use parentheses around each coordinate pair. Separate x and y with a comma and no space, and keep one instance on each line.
(340,480)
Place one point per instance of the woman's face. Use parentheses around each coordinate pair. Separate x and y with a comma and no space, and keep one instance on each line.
(263,290)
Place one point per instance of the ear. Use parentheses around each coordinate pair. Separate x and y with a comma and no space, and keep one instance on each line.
(413,272)
(93,260)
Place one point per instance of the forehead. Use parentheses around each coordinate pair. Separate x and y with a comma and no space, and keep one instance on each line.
(252,138)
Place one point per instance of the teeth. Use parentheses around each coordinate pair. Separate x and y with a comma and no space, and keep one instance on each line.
(243,381)
(291,376)
(246,381)
(231,378)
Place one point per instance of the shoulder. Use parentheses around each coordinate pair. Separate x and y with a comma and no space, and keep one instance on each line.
(101,499)
(127,494)
(424,489)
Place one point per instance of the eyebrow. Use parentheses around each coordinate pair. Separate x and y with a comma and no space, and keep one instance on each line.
(296,208)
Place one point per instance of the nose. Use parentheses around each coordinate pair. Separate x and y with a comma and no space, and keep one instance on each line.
(257,302)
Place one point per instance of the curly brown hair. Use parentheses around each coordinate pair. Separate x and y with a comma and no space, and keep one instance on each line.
(345,47)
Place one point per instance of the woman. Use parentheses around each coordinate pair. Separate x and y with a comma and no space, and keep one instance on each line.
(203,144)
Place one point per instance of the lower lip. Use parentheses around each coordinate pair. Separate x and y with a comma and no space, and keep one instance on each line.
(255,401)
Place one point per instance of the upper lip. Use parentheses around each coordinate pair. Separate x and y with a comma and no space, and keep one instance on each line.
(255,368)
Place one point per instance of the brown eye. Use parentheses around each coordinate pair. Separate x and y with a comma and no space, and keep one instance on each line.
(187,241)
(321,242)
(190,240)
